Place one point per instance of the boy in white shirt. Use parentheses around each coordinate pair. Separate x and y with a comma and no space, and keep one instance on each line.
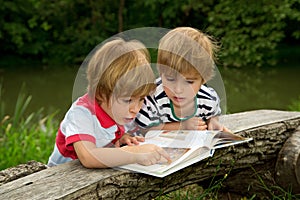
(119,77)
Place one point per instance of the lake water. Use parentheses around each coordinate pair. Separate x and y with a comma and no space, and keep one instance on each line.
(246,88)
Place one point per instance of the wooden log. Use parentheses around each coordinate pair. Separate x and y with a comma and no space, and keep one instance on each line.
(269,128)
(20,171)
(288,163)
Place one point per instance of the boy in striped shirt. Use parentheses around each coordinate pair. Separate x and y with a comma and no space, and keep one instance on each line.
(185,63)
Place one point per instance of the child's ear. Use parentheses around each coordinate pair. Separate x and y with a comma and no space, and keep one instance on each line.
(100,98)
(103,101)
(203,81)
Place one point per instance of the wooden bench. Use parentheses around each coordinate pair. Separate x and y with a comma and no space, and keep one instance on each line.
(273,155)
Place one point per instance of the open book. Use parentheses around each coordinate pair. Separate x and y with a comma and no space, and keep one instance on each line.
(185,148)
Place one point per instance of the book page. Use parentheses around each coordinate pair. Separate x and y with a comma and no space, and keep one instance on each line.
(225,139)
(176,138)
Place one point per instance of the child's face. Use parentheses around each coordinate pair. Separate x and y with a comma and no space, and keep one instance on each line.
(181,89)
(123,110)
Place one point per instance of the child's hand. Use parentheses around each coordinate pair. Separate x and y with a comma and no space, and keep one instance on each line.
(150,154)
(214,124)
(129,140)
(194,123)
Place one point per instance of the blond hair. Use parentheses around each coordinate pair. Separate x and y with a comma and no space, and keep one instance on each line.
(120,68)
(187,50)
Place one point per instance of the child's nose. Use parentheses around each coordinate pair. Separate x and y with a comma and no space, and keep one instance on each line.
(178,88)
(135,108)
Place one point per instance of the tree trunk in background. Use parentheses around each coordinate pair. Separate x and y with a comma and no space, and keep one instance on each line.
(120,15)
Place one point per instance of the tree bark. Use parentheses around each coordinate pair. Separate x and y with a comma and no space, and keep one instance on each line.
(20,171)
(288,163)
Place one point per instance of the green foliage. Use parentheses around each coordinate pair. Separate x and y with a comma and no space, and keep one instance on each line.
(75,27)
(24,138)
(66,31)
(250,31)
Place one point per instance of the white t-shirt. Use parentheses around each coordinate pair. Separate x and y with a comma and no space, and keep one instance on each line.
(84,121)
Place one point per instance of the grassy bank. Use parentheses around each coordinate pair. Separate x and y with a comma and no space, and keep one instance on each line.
(24,138)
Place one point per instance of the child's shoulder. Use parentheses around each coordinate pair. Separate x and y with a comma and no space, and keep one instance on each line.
(158,81)
(208,92)
(81,105)
(159,91)
(206,88)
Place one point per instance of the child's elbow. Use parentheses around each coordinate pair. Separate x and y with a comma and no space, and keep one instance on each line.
(87,165)
(91,163)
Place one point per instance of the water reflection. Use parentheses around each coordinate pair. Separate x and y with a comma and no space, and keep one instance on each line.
(267,88)
(50,88)
(246,88)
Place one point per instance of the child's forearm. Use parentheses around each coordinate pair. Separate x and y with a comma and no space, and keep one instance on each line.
(166,126)
(173,126)
(92,157)
(112,157)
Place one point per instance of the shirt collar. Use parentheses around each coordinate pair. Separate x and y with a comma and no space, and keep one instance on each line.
(105,120)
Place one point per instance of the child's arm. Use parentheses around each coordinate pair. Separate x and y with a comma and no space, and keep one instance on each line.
(92,157)
(194,123)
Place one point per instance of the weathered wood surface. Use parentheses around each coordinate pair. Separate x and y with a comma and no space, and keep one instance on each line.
(13,173)
(269,128)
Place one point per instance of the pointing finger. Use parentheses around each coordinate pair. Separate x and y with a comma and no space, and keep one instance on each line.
(164,154)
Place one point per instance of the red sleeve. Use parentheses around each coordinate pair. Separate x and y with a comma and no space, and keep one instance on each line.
(65,145)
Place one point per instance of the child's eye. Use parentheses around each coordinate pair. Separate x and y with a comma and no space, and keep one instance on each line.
(170,79)
(127,101)
(190,82)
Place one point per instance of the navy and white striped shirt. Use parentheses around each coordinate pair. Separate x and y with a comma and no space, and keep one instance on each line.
(158,108)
